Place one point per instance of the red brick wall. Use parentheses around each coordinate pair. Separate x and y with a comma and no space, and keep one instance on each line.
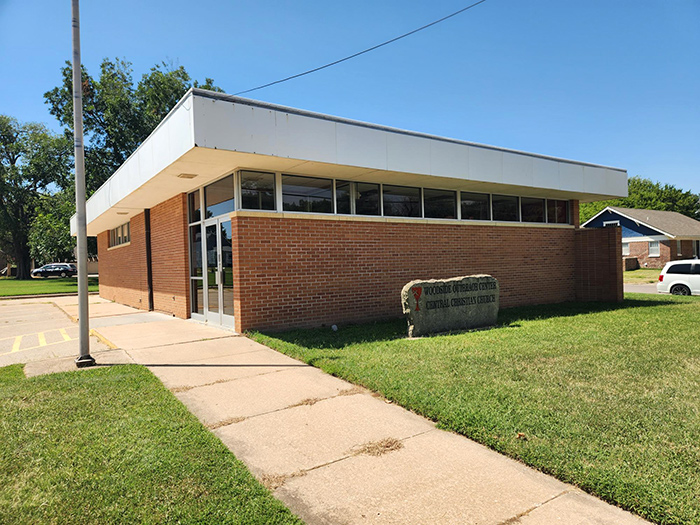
(123,276)
(640,250)
(575,218)
(303,272)
(599,264)
(123,268)
(169,252)
(686,250)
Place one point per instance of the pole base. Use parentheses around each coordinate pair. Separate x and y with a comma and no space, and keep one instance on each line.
(85,361)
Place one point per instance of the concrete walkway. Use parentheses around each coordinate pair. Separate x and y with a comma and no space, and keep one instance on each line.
(333,452)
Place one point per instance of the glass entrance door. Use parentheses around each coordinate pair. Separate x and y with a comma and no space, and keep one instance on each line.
(219,272)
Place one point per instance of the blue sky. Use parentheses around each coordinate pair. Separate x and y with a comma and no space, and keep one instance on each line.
(608,82)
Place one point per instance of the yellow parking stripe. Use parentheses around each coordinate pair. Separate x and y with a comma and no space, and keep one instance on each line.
(66,337)
(15,346)
(42,339)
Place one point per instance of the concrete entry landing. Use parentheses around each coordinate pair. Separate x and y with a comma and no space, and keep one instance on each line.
(334,452)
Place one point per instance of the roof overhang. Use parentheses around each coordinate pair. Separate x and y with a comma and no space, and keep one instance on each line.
(208,135)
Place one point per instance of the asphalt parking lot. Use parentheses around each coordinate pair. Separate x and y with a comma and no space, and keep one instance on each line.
(35,330)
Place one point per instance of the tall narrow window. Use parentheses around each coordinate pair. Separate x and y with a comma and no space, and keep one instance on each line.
(194,206)
(475,206)
(401,201)
(257,190)
(625,248)
(307,194)
(679,248)
(120,235)
(654,249)
(343,197)
(196,251)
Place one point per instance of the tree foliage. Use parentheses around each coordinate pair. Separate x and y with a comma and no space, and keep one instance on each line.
(648,195)
(117,113)
(49,236)
(33,161)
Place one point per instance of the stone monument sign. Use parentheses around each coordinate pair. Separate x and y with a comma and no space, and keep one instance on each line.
(459,303)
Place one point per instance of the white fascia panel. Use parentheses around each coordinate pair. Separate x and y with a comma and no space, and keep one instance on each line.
(571,178)
(304,138)
(408,154)
(448,159)
(486,165)
(170,140)
(616,183)
(594,179)
(242,126)
(234,127)
(361,147)
(545,173)
(129,179)
(518,169)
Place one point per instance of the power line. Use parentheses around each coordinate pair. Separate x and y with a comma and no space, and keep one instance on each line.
(363,52)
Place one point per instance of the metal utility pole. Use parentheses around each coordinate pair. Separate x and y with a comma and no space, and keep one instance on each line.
(85,359)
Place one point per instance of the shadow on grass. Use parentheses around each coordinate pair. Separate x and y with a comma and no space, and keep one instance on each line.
(392,329)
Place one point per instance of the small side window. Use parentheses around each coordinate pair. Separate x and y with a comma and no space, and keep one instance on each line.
(683,269)
(625,248)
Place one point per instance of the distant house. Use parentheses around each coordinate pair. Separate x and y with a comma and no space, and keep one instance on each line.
(653,237)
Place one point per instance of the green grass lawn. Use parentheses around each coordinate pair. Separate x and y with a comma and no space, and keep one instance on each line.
(10,286)
(112,445)
(606,397)
(642,276)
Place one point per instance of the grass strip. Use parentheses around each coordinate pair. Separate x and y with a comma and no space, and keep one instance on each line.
(112,445)
(606,397)
(9,286)
(642,276)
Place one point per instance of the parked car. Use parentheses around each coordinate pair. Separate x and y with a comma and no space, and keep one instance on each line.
(55,270)
(680,278)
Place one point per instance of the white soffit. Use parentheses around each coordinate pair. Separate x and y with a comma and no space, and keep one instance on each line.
(210,135)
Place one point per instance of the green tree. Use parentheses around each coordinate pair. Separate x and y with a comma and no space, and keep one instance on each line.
(33,162)
(49,236)
(118,114)
(648,195)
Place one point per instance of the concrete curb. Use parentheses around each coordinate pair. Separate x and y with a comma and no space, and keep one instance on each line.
(103,339)
(42,295)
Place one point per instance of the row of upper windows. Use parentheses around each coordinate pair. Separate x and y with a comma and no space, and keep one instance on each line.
(318,195)
(120,235)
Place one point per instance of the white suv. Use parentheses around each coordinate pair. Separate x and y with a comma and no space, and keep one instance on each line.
(680,278)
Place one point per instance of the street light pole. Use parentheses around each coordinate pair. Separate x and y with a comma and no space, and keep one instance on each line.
(85,359)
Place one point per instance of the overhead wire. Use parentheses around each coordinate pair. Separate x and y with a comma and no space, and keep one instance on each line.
(364,51)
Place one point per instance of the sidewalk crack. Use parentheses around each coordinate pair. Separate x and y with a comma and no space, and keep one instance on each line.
(516,518)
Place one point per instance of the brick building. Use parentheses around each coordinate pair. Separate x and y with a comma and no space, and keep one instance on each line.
(651,238)
(257,216)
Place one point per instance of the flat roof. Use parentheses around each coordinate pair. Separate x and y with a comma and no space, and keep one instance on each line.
(210,135)
(323,116)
